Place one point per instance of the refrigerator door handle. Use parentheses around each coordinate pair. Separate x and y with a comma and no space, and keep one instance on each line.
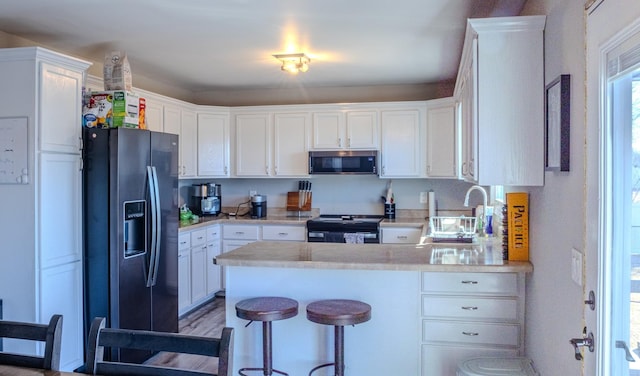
(152,200)
(158,214)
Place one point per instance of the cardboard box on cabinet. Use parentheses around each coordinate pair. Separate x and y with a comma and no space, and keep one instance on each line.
(112,109)
(518,226)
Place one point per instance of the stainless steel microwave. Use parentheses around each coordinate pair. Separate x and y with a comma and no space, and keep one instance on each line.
(363,162)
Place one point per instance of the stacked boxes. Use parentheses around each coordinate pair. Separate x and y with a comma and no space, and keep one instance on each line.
(518,226)
(111,109)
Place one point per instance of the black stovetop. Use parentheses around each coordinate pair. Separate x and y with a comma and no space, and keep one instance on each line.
(337,222)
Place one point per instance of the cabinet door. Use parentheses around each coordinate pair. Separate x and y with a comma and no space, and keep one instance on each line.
(291,144)
(172,119)
(198,273)
(328,130)
(184,280)
(362,130)
(154,115)
(400,153)
(188,143)
(214,282)
(60,203)
(441,140)
(60,117)
(252,145)
(61,293)
(213,145)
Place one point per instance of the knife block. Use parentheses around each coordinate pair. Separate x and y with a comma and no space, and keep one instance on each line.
(294,204)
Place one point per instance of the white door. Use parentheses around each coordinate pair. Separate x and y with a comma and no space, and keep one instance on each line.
(613,148)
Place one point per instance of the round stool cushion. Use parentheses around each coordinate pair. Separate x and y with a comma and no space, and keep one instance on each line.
(338,312)
(507,366)
(268,308)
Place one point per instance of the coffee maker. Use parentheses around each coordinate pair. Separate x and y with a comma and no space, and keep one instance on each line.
(258,206)
(206,199)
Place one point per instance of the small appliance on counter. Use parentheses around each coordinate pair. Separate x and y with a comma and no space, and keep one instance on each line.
(258,206)
(206,198)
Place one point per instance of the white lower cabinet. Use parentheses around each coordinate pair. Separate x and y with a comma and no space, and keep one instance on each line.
(284,233)
(184,272)
(401,235)
(61,293)
(442,360)
(466,315)
(214,282)
(198,266)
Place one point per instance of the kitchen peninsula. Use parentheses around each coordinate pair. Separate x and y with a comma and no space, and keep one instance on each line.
(432,304)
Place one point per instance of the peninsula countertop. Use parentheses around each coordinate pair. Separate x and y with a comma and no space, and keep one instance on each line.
(484,256)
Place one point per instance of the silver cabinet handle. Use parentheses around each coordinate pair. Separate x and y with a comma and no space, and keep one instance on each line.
(470,308)
(401,236)
(470,282)
(471,334)
(283,233)
(239,232)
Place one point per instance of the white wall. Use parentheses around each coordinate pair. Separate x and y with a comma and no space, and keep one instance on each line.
(557,217)
(344,194)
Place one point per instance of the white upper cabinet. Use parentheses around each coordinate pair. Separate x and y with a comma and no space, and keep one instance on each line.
(500,87)
(345,129)
(213,144)
(291,144)
(401,150)
(188,143)
(154,114)
(442,161)
(60,102)
(271,144)
(253,148)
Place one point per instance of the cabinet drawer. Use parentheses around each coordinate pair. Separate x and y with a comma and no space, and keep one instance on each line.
(471,308)
(292,233)
(471,333)
(241,232)
(471,283)
(213,232)
(198,237)
(401,235)
(184,241)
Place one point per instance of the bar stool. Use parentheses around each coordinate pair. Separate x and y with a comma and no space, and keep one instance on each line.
(266,309)
(338,312)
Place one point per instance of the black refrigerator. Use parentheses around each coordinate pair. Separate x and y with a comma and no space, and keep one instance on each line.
(131,231)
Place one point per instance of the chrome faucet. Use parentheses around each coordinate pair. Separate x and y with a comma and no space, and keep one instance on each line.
(484,203)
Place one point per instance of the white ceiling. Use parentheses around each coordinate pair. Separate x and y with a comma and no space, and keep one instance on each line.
(214,45)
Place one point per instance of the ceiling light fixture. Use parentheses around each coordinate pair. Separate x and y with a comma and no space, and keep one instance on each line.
(294,63)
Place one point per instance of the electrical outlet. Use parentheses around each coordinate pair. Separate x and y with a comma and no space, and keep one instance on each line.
(252,193)
(576,266)
(424,197)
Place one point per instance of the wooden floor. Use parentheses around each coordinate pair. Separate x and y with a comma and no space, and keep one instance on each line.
(208,320)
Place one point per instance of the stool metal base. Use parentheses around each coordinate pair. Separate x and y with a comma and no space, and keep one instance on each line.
(338,353)
(265,372)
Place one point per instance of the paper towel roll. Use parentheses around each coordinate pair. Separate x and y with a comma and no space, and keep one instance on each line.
(432,204)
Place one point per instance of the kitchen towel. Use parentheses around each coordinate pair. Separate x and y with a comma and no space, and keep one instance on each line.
(354,238)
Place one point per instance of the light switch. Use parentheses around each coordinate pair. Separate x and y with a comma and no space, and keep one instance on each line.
(576,266)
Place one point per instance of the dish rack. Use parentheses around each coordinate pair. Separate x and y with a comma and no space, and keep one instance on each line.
(453,229)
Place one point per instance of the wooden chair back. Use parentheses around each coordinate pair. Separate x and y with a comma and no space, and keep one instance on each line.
(101,337)
(50,334)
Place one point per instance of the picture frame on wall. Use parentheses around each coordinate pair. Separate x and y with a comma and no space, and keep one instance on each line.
(557,123)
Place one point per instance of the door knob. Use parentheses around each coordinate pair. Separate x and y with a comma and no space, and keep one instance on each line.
(585,341)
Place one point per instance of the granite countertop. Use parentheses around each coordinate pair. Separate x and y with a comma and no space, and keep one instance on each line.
(484,256)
